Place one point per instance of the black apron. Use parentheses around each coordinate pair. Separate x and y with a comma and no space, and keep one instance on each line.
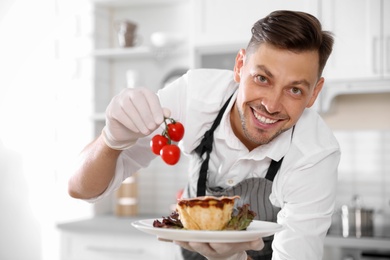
(254,191)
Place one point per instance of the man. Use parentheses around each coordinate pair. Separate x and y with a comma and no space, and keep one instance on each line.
(263,141)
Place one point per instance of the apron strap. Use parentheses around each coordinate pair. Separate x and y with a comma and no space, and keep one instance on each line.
(275,165)
(206,146)
(273,169)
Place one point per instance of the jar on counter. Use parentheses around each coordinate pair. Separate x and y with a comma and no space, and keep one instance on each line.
(127,198)
(126,33)
(356,221)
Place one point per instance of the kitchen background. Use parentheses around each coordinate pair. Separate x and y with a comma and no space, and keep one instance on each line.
(62,61)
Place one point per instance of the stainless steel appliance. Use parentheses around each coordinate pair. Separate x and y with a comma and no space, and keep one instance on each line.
(353,254)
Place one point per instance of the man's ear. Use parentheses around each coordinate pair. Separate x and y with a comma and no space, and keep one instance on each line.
(238,65)
(316,92)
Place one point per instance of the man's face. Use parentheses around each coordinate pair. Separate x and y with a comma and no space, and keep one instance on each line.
(275,87)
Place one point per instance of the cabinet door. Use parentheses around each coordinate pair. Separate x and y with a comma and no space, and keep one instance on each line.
(356,25)
(86,246)
(230,21)
(386,37)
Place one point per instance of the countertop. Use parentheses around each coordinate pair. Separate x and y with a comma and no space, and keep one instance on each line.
(111,224)
(104,224)
(371,243)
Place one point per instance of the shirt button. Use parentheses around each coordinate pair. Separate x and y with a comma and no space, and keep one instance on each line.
(230,182)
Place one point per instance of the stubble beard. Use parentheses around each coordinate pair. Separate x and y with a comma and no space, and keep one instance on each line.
(260,138)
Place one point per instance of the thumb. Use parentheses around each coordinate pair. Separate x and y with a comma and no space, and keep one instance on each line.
(257,244)
(166,112)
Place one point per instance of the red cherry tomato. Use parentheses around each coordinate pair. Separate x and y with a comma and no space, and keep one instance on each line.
(176,131)
(170,154)
(157,143)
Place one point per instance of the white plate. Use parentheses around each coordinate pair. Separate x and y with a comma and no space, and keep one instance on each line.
(255,230)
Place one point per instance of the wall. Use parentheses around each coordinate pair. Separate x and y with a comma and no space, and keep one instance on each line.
(165,181)
(44,124)
(17,217)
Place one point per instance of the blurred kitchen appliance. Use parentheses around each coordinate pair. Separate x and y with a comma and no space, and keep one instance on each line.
(356,221)
(166,39)
(357,254)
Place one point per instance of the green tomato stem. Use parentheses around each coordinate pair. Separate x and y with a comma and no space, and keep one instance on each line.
(165,132)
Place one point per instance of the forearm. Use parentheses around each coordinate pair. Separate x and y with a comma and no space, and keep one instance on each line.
(94,171)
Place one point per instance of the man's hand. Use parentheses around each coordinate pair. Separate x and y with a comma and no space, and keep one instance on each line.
(225,251)
(132,114)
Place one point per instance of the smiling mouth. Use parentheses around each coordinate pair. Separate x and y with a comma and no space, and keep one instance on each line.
(263,119)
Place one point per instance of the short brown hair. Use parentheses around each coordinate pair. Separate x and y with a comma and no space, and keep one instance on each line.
(295,31)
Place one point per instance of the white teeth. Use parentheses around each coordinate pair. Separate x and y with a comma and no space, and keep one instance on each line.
(263,119)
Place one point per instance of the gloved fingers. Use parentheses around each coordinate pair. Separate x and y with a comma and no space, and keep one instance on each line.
(220,250)
(148,114)
(139,110)
(228,248)
(131,116)
(189,245)
(204,249)
(154,106)
(256,245)
(166,112)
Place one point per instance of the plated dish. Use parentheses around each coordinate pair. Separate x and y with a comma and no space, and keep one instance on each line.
(256,229)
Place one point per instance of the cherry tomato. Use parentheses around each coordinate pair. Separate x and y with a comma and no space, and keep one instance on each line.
(170,154)
(157,143)
(176,131)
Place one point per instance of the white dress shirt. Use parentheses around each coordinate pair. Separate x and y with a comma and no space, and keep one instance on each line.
(305,186)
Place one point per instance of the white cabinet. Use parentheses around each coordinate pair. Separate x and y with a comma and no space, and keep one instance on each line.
(79,246)
(108,238)
(362,38)
(222,27)
(360,62)
(230,21)
(386,38)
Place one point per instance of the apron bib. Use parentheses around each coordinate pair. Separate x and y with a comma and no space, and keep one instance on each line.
(253,191)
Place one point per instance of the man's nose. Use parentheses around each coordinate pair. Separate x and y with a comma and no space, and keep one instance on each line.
(272,102)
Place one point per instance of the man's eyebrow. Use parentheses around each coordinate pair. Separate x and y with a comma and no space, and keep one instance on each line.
(266,71)
(303,82)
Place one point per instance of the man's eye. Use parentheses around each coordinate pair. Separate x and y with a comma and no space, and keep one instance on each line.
(261,79)
(296,91)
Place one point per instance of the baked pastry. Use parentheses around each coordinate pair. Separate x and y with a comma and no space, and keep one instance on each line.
(206,213)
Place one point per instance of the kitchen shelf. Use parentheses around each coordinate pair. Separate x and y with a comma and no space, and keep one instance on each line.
(138,52)
(129,3)
(219,47)
(117,53)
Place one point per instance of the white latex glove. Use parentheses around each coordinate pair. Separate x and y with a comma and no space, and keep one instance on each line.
(223,251)
(133,113)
